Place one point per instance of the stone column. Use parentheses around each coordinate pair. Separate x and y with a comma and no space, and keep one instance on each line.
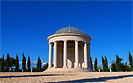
(76,55)
(89,62)
(55,54)
(85,56)
(50,55)
(65,54)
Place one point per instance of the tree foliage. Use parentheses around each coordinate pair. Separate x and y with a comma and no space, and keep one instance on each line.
(7,62)
(44,67)
(12,62)
(95,64)
(118,63)
(130,61)
(39,64)
(127,67)
(17,63)
(23,62)
(91,62)
(113,66)
(103,63)
(106,64)
(28,64)
(2,64)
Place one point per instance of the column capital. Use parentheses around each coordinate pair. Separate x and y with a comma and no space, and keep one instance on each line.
(85,42)
(55,41)
(76,41)
(65,40)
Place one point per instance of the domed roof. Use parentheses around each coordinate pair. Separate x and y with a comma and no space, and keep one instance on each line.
(69,30)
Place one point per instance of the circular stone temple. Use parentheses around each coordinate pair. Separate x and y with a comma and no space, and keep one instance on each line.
(71,49)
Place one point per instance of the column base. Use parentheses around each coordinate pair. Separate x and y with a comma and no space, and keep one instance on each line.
(65,67)
(77,67)
(49,67)
(54,67)
(69,70)
(85,67)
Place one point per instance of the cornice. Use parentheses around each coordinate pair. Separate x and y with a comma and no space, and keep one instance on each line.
(69,34)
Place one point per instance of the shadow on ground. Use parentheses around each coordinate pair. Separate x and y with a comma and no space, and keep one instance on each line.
(100,79)
(26,76)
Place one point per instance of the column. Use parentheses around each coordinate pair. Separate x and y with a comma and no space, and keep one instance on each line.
(85,56)
(50,55)
(76,55)
(55,54)
(65,54)
(88,48)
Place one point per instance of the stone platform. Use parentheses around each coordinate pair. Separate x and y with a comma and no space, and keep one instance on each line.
(68,70)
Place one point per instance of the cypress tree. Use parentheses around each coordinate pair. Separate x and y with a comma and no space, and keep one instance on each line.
(118,63)
(106,64)
(91,62)
(39,64)
(28,64)
(17,63)
(23,62)
(130,61)
(103,63)
(2,64)
(95,64)
(7,62)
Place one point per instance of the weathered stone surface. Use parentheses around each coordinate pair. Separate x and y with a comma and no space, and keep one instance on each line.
(69,77)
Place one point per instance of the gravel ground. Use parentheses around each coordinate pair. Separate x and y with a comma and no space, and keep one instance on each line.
(79,77)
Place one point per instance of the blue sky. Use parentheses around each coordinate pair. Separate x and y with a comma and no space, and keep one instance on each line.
(25,26)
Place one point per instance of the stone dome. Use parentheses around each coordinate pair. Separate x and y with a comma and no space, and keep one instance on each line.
(69,30)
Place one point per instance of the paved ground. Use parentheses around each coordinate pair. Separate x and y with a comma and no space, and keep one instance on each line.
(80,77)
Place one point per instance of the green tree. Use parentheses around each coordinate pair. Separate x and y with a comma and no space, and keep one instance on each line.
(106,64)
(95,64)
(118,63)
(7,62)
(99,67)
(91,62)
(28,64)
(39,64)
(130,61)
(113,66)
(17,63)
(127,67)
(45,67)
(12,62)
(23,62)
(2,63)
(103,63)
